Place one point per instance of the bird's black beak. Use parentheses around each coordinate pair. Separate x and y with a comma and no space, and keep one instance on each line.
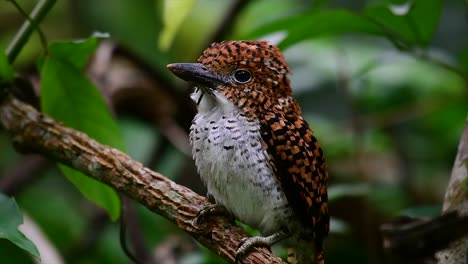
(196,73)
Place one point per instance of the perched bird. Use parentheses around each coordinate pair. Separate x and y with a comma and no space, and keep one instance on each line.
(252,148)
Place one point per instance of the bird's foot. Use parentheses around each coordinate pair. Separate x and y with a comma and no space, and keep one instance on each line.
(248,243)
(212,209)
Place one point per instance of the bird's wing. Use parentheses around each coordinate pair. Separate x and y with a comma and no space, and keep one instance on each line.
(300,167)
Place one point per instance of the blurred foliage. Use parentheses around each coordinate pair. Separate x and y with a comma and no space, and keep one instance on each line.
(384,84)
(173,15)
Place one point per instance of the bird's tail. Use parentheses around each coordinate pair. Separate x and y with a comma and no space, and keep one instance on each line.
(302,254)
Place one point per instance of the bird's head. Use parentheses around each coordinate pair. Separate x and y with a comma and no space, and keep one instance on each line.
(251,75)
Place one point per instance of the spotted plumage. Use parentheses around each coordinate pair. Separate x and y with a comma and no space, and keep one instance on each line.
(256,154)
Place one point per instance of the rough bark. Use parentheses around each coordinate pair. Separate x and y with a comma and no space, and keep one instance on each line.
(32,131)
(456,199)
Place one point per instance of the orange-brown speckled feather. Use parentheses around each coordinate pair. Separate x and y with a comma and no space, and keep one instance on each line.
(300,167)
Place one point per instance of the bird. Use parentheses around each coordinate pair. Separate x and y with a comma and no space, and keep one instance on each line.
(253,150)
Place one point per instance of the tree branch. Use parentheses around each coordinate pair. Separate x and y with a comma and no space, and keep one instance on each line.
(33,131)
(456,199)
(40,11)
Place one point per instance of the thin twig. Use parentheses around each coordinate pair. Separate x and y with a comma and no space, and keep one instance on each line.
(131,237)
(32,23)
(124,229)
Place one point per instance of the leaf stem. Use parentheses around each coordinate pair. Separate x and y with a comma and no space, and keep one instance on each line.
(37,15)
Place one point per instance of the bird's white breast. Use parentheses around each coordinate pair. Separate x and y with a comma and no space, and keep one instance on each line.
(232,162)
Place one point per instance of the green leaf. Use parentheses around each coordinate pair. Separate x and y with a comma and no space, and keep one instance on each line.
(382,14)
(316,24)
(414,22)
(425,14)
(174,14)
(10,219)
(68,96)
(6,71)
(75,52)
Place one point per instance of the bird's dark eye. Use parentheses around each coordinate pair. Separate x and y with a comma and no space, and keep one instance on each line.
(242,76)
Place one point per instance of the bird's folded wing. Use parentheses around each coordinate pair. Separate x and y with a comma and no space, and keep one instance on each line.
(298,162)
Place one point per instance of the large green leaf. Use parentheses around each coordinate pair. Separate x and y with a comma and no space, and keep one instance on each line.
(76,53)
(68,96)
(425,14)
(10,219)
(316,24)
(383,15)
(413,21)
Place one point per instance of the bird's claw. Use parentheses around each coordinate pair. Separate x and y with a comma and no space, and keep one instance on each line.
(247,243)
(208,210)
